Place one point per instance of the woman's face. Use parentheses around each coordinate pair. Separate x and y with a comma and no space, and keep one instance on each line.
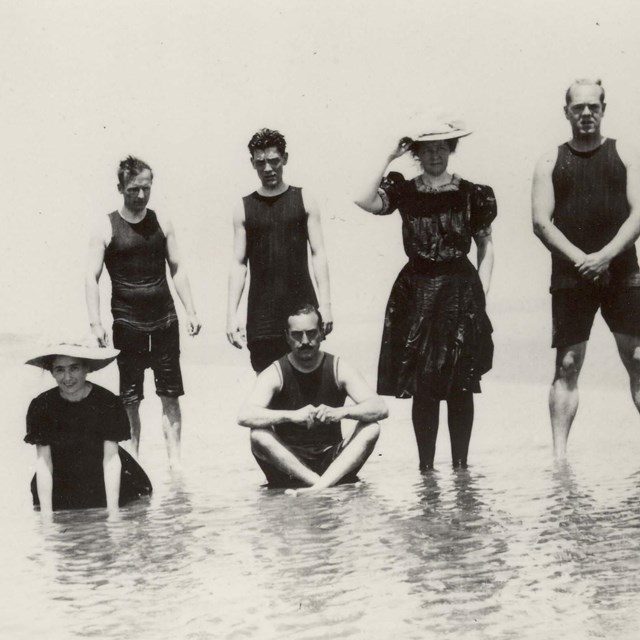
(70,374)
(434,157)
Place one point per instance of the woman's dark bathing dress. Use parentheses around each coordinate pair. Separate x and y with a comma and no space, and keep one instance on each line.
(437,336)
(76,432)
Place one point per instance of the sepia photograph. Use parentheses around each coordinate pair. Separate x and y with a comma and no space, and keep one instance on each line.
(319,320)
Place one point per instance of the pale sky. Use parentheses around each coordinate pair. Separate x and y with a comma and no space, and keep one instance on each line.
(185,85)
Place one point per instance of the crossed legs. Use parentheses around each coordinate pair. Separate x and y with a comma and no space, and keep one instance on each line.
(266,446)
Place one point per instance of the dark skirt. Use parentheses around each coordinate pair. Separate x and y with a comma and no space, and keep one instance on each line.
(437,335)
(134,483)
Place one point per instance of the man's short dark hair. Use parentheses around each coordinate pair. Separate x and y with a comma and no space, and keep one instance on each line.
(303,310)
(265,138)
(581,82)
(130,167)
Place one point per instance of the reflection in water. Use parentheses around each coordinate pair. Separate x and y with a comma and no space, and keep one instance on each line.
(518,552)
(452,526)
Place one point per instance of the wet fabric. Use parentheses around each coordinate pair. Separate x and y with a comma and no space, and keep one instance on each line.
(437,336)
(590,191)
(139,350)
(300,389)
(277,241)
(136,261)
(438,224)
(573,312)
(76,432)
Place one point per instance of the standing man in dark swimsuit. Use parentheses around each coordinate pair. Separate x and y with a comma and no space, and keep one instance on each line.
(295,410)
(586,211)
(136,245)
(272,228)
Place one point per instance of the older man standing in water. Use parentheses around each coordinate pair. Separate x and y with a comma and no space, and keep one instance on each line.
(136,245)
(296,406)
(586,211)
(272,229)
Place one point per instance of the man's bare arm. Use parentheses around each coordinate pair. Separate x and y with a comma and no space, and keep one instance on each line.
(180,277)
(95,263)
(543,204)
(319,260)
(368,406)
(255,412)
(237,278)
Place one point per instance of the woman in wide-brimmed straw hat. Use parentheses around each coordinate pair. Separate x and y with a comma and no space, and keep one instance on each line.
(437,340)
(76,428)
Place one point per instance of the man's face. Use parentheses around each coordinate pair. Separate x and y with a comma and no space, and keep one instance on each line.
(269,163)
(304,336)
(136,191)
(585,110)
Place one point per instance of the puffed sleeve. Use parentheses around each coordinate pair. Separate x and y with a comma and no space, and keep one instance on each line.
(38,422)
(483,210)
(391,190)
(115,424)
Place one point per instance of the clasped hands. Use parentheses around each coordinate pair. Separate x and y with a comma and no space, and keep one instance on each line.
(310,415)
(593,266)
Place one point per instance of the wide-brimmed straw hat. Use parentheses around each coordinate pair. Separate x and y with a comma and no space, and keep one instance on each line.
(95,357)
(440,130)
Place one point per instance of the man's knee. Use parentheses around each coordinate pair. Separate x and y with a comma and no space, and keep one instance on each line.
(261,440)
(631,359)
(370,432)
(132,408)
(568,365)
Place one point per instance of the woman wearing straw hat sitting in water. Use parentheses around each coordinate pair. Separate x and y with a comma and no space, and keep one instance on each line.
(437,341)
(76,428)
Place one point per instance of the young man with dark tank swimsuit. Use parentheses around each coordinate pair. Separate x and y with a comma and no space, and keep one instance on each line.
(295,409)
(136,245)
(273,227)
(586,211)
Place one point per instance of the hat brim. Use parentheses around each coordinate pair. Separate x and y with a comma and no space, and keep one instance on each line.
(444,135)
(95,357)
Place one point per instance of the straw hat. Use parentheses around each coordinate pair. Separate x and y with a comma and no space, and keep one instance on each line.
(435,130)
(95,357)
(433,124)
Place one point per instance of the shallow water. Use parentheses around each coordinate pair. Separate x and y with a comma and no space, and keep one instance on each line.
(515,547)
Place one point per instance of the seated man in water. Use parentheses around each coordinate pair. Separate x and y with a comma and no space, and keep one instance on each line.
(295,408)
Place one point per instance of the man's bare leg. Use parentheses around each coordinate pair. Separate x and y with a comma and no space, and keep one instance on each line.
(266,445)
(353,456)
(629,350)
(133,413)
(172,429)
(563,398)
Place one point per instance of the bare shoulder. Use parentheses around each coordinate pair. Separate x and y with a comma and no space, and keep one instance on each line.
(309,202)
(101,229)
(238,213)
(546,163)
(628,154)
(271,378)
(165,222)
(344,371)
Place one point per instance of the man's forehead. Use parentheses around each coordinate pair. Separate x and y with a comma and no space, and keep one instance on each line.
(144,177)
(269,152)
(585,93)
(303,321)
